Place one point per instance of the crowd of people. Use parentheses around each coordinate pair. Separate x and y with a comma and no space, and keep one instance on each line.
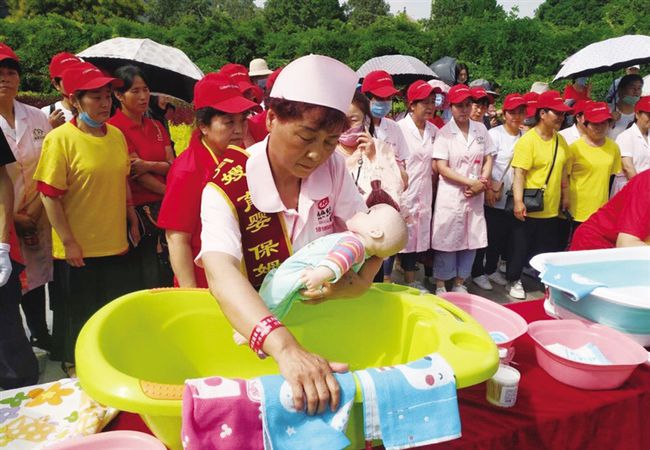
(95,203)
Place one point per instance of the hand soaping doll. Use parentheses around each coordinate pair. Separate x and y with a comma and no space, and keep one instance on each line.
(380,231)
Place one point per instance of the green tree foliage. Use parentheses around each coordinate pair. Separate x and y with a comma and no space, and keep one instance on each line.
(91,11)
(301,14)
(171,12)
(571,13)
(365,12)
(447,13)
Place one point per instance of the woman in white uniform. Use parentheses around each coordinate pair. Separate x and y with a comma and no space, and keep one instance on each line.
(25,128)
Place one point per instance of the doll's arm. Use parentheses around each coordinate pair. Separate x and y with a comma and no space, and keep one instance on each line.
(313,278)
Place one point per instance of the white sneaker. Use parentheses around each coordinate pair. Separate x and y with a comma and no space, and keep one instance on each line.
(483,282)
(517,290)
(498,278)
(419,286)
(460,288)
(503,266)
(441,290)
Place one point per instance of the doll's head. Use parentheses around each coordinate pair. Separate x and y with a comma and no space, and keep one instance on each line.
(381,228)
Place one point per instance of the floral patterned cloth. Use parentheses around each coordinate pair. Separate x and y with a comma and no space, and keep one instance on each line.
(34,417)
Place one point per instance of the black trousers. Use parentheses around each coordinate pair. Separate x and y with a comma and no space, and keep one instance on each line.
(499,228)
(18,364)
(80,292)
(530,238)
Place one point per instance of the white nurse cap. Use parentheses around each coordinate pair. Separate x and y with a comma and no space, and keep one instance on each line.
(319,80)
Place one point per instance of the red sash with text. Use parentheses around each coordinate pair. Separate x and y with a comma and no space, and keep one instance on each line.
(265,243)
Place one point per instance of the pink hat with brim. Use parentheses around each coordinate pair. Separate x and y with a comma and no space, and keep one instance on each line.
(458,94)
(318,80)
(218,91)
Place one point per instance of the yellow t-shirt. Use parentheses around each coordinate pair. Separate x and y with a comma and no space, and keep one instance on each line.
(535,155)
(589,170)
(92,171)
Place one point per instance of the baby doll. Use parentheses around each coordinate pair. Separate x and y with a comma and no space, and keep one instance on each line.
(380,231)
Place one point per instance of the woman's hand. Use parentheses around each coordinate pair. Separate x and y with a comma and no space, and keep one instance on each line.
(74,254)
(349,285)
(134,225)
(139,167)
(520,210)
(56,118)
(311,379)
(366,144)
(475,188)
(24,224)
(490,197)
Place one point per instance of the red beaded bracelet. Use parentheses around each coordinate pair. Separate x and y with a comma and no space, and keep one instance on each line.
(259,334)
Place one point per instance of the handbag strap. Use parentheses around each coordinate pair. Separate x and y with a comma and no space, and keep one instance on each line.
(509,161)
(548,177)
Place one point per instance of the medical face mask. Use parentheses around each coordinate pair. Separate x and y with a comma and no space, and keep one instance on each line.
(631,99)
(349,137)
(262,83)
(85,118)
(379,109)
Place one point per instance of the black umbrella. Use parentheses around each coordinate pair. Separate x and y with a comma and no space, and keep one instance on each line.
(168,69)
(445,68)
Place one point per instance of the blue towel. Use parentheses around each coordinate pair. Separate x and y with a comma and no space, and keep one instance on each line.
(412,404)
(286,428)
(570,281)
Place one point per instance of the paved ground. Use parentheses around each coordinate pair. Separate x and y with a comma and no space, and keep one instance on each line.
(52,370)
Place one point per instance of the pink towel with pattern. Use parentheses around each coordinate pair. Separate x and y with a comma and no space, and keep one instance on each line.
(222,413)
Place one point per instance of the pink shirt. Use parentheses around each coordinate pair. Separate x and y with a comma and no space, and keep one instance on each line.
(328,197)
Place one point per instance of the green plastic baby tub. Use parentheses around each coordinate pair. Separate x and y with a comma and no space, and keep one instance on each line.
(135,353)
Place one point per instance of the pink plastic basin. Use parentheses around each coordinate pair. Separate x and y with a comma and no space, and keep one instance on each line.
(492,316)
(111,440)
(624,353)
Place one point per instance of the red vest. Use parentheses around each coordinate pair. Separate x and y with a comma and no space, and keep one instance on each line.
(265,242)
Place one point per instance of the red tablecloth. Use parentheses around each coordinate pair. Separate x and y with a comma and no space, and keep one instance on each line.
(548,414)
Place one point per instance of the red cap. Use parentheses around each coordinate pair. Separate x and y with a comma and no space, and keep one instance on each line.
(419,90)
(84,77)
(218,91)
(597,112)
(7,53)
(379,83)
(552,100)
(531,103)
(514,101)
(479,93)
(236,72)
(458,94)
(60,62)
(580,106)
(643,105)
(270,81)
(257,91)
